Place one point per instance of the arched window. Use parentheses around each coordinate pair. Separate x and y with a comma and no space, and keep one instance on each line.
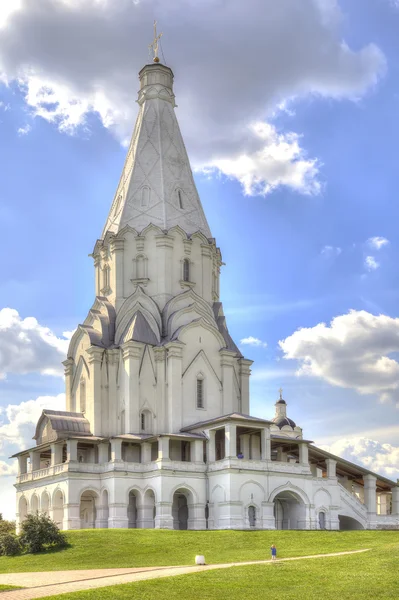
(180,199)
(82,395)
(142,421)
(186,270)
(200,392)
(145,196)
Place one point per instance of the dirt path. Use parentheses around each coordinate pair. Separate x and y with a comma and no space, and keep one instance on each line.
(40,585)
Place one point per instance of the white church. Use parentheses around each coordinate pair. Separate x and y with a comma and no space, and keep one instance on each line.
(157,431)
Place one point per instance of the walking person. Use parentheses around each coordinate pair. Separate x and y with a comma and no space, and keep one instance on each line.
(274,552)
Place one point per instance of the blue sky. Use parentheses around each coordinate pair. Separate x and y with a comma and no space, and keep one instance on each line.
(312,236)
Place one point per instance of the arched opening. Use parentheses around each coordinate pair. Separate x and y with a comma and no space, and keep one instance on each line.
(182,499)
(348,523)
(322,520)
(186,270)
(45,504)
(148,510)
(22,509)
(252,516)
(88,510)
(102,512)
(34,504)
(58,508)
(289,511)
(132,510)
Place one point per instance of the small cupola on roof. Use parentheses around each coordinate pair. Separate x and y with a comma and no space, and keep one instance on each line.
(157,185)
(281,418)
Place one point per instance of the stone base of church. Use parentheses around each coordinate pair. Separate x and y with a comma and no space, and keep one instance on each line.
(199,500)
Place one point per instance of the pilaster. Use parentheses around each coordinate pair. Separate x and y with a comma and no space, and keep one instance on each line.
(94,401)
(163,516)
(132,353)
(268,519)
(245,373)
(113,361)
(68,372)
(229,397)
(22,464)
(161,394)
(145,452)
(303,454)
(34,460)
(174,371)
(117,274)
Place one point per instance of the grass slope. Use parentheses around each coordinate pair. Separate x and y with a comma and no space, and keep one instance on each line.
(107,548)
(8,588)
(369,575)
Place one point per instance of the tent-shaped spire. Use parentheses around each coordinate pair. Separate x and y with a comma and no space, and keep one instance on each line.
(157,184)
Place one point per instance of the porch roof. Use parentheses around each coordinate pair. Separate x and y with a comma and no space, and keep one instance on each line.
(224,418)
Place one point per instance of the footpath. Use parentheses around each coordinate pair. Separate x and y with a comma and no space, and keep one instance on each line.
(49,583)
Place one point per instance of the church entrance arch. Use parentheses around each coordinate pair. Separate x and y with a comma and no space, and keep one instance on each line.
(182,499)
(322,520)
(289,510)
(88,509)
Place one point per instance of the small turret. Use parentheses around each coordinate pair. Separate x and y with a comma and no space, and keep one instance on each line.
(281,418)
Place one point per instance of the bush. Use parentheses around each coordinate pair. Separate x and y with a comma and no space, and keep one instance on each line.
(39,532)
(6,526)
(9,544)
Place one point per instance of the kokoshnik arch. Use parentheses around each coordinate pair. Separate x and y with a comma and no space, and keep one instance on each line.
(157,431)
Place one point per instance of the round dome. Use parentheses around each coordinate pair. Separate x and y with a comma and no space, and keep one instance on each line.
(281,421)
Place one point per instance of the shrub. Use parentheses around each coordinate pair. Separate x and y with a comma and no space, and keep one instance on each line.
(39,532)
(9,544)
(6,526)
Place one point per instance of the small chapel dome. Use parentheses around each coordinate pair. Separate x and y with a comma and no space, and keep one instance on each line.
(281,421)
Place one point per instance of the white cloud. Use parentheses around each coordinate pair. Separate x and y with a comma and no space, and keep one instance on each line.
(353,352)
(330,251)
(370,263)
(24,130)
(279,161)
(17,427)
(377,242)
(26,346)
(253,341)
(271,53)
(377,457)
(7,7)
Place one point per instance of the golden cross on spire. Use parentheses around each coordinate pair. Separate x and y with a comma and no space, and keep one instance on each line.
(281,393)
(154,45)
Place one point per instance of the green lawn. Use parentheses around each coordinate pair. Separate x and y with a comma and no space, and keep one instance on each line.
(369,575)
(107,548)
